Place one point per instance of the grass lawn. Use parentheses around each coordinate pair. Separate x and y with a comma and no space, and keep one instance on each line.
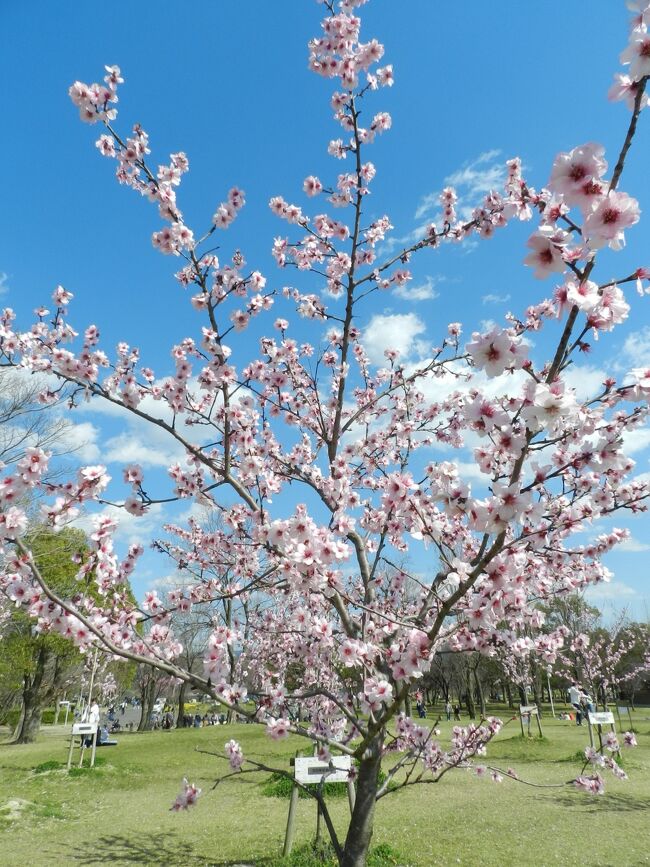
(118,813)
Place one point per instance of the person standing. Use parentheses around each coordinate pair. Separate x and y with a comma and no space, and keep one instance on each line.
(575,697)
(93,717)
(448,709)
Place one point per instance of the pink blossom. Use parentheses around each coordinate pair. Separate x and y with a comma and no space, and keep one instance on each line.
(312,186)
(235,754)
(611,310)
(277,729)
(625,88)
(594,785)
(637,55)
(133,474)
(583,295)
(187,797)
(547,257)
(605,224)
(573,170)
(495,351)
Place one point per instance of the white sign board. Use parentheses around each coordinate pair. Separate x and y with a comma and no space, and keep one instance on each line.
(603,718)
(64,704)
(528,709)
(311,770)
(84,729)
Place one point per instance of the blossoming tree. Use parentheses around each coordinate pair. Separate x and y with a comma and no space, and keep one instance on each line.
(320,466)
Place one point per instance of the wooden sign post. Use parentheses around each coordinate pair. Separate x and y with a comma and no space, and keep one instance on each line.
(313,771)
(600,719)
(59,705)
(619,711)
(529,711)
(84,730)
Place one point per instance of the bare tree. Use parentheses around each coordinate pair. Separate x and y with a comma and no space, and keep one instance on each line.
(24,421)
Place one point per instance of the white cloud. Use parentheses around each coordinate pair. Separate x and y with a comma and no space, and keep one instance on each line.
(130,529)
(471,181)
(139,441)
(427,204)
(165,583)
(81,438)
(490,298)
(636,440)
(130,447)
(470,472)
(4,286)
(637,347)
(438,388)
(421,292)
(479,175)
(391,331)
(612,591)
(633,546)
(586,380)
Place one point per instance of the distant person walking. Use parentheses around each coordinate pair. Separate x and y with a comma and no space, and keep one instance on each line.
(448,709)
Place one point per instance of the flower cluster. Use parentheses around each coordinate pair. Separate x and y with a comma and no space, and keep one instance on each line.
(314,464)
(187,797)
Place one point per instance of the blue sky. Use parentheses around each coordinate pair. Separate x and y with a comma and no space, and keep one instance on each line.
(229,85)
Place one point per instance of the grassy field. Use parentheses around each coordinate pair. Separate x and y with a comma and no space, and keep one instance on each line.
(118,813)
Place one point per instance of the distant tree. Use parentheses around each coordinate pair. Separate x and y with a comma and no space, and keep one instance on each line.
(36,665)
(152,685)
(24,421)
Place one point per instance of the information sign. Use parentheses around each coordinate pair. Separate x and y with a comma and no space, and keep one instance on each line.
(602,718)
(312,770)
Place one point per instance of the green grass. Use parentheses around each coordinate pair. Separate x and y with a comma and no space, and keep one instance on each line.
(118,813)
(322,855)
(279,786)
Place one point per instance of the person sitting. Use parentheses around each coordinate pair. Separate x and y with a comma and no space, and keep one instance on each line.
(103,739)
(586,705)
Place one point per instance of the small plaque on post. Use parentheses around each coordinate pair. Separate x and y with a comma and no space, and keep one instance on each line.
(84,729)
(601,719)
(312,770)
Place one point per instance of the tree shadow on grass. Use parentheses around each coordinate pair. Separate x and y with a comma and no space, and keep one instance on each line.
(166,848)
(608,803)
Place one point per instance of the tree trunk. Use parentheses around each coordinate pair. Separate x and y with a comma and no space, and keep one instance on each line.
(480,694)
(359,833)
(147,700)
(511,702)
(181,705)
(537,695)
(469,696)
(32,710)
(29,722)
